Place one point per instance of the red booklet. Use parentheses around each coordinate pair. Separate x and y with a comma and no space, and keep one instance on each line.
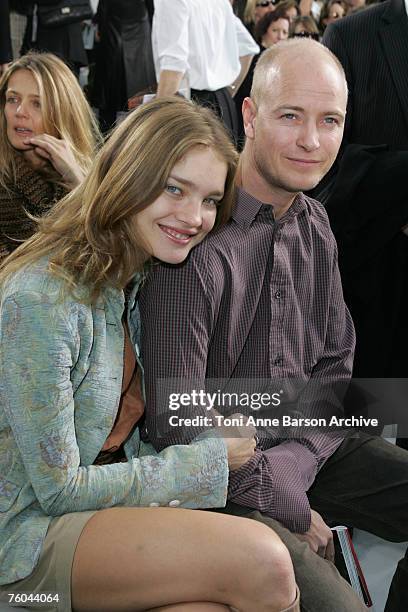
(351,563)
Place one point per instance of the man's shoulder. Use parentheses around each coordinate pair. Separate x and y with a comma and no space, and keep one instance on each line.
(319,220)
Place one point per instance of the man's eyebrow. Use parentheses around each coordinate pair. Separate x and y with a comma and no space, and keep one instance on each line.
(188,183)
(301,110)
(289,107)
(13,91)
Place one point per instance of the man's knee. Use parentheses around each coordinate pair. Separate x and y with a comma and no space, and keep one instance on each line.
(320,584)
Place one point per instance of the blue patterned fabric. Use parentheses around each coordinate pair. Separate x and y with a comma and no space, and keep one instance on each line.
(61,365)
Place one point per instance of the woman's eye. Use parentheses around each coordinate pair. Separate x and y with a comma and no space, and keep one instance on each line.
(11,100)
(173,189)
(37,104)
(211,202)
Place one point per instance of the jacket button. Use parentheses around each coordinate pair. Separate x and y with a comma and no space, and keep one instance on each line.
(174,503)
(154,505)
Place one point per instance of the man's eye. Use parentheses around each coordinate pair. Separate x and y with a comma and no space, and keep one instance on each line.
(289,116)
(331,121)
(173,189)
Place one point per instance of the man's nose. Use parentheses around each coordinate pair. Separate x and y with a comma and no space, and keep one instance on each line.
(308,137)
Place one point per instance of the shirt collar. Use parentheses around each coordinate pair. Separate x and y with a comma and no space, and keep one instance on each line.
(247,208)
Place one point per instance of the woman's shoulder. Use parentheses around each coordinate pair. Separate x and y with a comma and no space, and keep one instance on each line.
(33,278)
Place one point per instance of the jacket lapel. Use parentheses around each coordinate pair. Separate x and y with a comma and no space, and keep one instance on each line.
(394,41)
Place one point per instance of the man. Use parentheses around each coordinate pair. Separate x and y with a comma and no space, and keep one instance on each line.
(261,299)
(372,46)
(201,48)
(373,49)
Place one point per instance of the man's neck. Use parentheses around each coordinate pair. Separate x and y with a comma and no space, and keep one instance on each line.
(250,179)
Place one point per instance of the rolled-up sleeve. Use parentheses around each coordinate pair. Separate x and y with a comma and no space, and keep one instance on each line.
(171,34)
(246,44)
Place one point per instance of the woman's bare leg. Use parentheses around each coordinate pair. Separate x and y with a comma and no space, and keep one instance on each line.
(131,559)
(189,607)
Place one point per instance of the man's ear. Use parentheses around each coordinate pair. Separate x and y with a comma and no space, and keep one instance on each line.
(249,117)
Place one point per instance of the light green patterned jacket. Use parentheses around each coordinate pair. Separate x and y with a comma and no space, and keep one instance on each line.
(61,365)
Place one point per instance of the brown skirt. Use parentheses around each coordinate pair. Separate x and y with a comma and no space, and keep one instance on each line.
(52,574)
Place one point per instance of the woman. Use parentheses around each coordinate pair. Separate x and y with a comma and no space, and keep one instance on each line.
(48,137)
(331,12)
(290,8)
(73,463)
(272,28)
(304,26)
(255,10)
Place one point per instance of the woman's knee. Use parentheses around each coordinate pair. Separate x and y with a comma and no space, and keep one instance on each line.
(270,566)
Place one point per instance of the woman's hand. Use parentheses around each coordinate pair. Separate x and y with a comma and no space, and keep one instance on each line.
(240,442)
(59,154)
(239,450)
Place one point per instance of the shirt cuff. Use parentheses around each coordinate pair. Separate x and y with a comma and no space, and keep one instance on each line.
(272,483)
(168,62)
(306,462)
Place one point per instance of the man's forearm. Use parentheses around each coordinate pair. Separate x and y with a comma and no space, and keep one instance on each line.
(169,83)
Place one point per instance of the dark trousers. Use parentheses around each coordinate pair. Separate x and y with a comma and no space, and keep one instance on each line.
(221,102)
(363,485)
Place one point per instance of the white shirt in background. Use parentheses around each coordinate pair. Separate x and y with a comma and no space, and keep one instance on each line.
(201,38)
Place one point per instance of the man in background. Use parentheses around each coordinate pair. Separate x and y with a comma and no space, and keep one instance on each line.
(201,49)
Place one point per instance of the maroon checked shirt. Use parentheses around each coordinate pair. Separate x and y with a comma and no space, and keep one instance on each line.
(258,299)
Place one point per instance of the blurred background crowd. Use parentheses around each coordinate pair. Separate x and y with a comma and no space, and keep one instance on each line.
(111,52)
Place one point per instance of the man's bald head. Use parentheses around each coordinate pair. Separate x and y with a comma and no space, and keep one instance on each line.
(293,121)
(279,57)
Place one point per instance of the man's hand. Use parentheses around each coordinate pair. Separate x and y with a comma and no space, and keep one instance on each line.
(319,537)
(59,154)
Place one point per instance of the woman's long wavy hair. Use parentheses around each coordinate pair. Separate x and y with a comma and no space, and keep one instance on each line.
(65,111)
(90,235)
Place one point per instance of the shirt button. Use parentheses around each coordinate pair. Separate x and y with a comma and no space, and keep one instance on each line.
(154,505)
(278,295)
(174,503)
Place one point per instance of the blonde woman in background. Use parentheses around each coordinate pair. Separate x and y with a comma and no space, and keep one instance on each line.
(255,10)
(48,137)
(88,510)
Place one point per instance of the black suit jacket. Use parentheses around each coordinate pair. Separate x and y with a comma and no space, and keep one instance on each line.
(372,46)
(367,209)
